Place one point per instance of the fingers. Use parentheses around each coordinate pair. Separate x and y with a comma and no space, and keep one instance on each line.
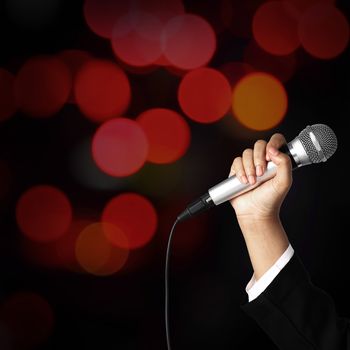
(253,162)
(275,142)
(260,157)
(248,164)
(238,170)
(283,179)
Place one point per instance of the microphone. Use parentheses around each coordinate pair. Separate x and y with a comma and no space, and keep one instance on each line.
(315,144)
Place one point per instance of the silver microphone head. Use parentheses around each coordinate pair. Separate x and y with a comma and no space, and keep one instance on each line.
(315,144)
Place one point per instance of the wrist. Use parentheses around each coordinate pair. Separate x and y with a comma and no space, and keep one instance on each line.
(252,222)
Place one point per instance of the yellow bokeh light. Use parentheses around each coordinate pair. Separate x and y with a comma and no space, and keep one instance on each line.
(259,101)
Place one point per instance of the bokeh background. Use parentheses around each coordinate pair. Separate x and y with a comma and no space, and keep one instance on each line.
(114,115)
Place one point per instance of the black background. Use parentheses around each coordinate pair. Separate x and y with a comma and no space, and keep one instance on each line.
(125,311)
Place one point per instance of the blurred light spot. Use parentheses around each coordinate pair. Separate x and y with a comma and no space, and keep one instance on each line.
(65,245)
(259,101)
(33,14)
(42,86)
(324,31)
(43,213)
(282,67)
(8,105)
(134,215)
(275,29)
(235,71)
(102,90)
(86,172)
(136,38)
(168,135)
(102,15)
(29,319)
(204,95)
(96,254)
(74,59)
(300,6)
(188,41)
(120,147)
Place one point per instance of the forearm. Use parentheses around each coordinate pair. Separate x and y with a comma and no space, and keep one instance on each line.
(266,241)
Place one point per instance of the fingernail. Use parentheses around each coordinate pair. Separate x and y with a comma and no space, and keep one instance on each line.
(273,151)
(251,179)
(244,179)
(259,170)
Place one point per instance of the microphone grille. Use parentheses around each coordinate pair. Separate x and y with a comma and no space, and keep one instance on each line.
(326,139)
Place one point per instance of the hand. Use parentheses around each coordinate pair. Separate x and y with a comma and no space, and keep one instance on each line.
(264,201)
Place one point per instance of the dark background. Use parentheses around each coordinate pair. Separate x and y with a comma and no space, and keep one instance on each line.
(208,277)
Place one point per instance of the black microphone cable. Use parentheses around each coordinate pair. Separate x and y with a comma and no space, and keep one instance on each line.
(167,258)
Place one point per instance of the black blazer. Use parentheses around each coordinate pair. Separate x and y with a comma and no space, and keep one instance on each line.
(296,315)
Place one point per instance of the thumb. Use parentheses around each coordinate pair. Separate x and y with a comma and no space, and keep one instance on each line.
(283,179)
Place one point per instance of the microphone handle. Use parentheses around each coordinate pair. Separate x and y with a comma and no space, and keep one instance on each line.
(232,187)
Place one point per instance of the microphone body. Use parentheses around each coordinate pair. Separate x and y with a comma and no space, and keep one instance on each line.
(314,144)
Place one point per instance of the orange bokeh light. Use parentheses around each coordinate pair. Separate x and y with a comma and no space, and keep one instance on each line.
(275,29)
(96,254)
(134,215)
(259,101)
(204,95)
(8,105)
(189,41)
(324,31)
(120,147)
(43,213)
(29,319)
(168,135)
(102,90)
(42,86)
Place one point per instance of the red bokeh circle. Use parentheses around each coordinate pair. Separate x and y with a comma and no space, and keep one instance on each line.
(324,31)
(168,134)
(134,215)
(102,90)
(275,29)
(120,147)
(188,41)
(43,213)
(102,15)
(29,319)
(205,95)
(136,38)
(42,86)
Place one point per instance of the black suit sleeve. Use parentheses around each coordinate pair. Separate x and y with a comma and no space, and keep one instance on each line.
(296,315)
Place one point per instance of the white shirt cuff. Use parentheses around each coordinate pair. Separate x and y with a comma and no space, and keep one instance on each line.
(256,287)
